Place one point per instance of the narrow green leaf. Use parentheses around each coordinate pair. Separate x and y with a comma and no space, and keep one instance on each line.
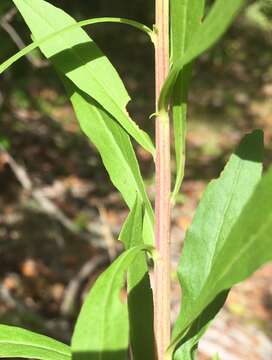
(247,247)
(186,17)
(131,233)
(185,20)
(140,299)
(74,54)
(102,327)
(26,50)
(116,151)
(216,215)
(213,27)
(17,342)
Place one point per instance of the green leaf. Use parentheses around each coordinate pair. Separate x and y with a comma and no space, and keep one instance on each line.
(208,237)
(186,17)
(213,27)
(102,327)
(116,151)
(187,348)
(74,54)
(131,233)
(140,299)
(185,20)
(26,50)
(17,342)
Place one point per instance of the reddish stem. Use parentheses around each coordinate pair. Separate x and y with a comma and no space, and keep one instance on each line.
(163,190)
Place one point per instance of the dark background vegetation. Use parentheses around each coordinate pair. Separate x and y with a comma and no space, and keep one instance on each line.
(59,213)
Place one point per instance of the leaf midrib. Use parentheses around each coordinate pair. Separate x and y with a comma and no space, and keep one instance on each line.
(12,342)
(139,187)
(110,290)
(243,249)
(212,284)
(71,49)
(120,152)
(184,37)
(209,265)
(235,181)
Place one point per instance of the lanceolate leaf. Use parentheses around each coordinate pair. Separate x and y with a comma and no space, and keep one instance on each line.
(116,151)
(212,28)
(26,50)
(210,232)
(186,18)
(140,299)
(74,54)
(16,342)
(102,328)
(249,246)
(131,233)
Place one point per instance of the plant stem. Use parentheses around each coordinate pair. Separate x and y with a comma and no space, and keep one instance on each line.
(163,190)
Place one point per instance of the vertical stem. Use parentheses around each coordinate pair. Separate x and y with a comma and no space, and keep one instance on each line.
(163,190)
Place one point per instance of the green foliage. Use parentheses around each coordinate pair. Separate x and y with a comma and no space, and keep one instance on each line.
(140,299)
(185,18)
(116,151)
(75,55)
(230,234)
(219,209)
(212,28)
(43,40)
(16,342)
(4,143)
(101,330)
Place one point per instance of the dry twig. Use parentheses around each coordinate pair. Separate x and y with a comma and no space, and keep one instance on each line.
(73,288)
(6,26)
(46,205)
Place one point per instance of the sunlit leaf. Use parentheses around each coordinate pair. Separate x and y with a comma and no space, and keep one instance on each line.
(16,342)
(35,44)
(117,153)
(208,239)
(186,18)
(140,299)
(213,27)
(102,328)
(76,55)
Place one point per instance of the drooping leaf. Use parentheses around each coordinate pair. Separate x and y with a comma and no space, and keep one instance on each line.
(222,204)
(76,56)
(140,299)
(212,28)
(102,327)
(186,18)
(17,342)
(116,150)
(35,44)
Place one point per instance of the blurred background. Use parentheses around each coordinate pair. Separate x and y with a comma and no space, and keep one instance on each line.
(60,215)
